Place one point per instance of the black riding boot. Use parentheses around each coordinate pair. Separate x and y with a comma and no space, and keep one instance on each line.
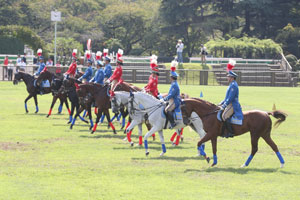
(171,119)
(229,129)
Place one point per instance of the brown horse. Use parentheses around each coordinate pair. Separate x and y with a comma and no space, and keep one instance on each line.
(33,91)
(55,86)
(257,122)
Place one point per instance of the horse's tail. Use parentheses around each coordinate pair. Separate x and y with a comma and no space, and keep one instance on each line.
(281,116)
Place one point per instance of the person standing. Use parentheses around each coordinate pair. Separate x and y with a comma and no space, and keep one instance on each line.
(49,63)
(23,65)
(18,63)
(5,64)
(179,48)
(230,107)
(10,69)
(173,95)
(203,54)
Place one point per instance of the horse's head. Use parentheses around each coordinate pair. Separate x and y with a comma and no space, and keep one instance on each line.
(116,102)
(18,77)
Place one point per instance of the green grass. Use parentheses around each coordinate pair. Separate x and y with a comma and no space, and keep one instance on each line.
(41,158)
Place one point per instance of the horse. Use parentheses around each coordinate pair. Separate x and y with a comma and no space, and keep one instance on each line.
(257,122)
(56,83)
(33,91)
(142,103)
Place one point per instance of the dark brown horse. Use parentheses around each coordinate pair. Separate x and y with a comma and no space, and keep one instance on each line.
(257,122)
(31,88)
(55,86)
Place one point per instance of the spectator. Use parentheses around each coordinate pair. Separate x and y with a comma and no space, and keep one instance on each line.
(5,63)
(58,69)
(49,63)
(179,48)
(22,65)
(203,54)
(10,70)
(24,58)
(19,60)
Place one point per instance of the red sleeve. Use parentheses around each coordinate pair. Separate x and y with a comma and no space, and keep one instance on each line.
(72,69)
(117,74)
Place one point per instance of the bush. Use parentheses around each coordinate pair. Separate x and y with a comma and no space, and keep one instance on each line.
(292,60)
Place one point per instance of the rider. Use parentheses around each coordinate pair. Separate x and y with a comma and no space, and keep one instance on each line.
(117,75)
(232,111)
(99,76)
(88,72)
(72,69)
(107,69)
(151,87)
(41,67)
(173,95)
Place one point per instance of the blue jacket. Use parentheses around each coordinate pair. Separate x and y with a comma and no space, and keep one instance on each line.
(99,77)
(88,74)
(232,96)
(174,93)
(41,67)
(107,71)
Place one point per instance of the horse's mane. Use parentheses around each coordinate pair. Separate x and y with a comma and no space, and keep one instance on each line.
(147,95)
(203,101)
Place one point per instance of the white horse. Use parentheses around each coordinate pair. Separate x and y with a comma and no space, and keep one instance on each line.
(121,98)
(139,104)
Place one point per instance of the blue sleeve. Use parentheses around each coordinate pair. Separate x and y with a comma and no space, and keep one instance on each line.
(107,72)
(42,66)
(172,93)
(232,93)
(101,76)
(86,74)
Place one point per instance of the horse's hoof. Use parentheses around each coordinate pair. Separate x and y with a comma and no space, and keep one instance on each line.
(162,154)
(122,127)
(181,139)
(207,159)
(48,116)
(125,139)
(86,121)
(281,165)
(36,112)
(154,138)
(91,127)
(92,132)
(59,113)
(213,164)
(71,127)
(115,132)
(173,144)
(147,153)
(26,111)
(131,144)
(69,122)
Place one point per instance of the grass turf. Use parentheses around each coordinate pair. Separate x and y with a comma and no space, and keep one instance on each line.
(40,158)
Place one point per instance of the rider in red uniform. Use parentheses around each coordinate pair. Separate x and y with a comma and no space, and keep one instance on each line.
(117,75)
(151,87)
(72,68)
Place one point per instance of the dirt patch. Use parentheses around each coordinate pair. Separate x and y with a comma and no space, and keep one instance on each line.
(13,146)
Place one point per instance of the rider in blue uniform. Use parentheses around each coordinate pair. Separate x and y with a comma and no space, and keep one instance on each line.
(173,97)
(108,69)
(99,76)
(232,111)
(88,72)
(41,67)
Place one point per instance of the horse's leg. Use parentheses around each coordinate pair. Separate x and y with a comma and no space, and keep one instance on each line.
(150,132)
(89,108)
(140,128)
(97,120)
(60,107)
(162,141)
(106,112)
(254,146)
(81,109)
(214,148)
(149,127)
(29,97)
(179,133)
(67,105)
(72,112)
(78,111)
(36,104)
(272,144)
(52,104)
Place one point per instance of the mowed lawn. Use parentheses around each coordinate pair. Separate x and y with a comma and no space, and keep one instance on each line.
(41,158)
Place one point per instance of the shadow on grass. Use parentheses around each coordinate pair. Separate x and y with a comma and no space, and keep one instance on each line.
(95,136)
(178,159)
(238,170)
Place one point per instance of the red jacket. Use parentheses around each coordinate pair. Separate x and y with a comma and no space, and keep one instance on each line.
(72,69)
(152,85)
(5,63)
(117,75)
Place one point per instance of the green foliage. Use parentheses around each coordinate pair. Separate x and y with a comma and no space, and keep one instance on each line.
(9,45)
(245,47)
(293,61)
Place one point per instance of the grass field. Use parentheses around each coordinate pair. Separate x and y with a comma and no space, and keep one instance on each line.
(40,158)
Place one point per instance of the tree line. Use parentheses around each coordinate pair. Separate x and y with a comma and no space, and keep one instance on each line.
(144,27)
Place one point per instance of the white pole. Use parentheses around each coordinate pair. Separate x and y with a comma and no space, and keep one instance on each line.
(55,43)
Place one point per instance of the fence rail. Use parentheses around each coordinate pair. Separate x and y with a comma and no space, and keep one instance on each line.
(195,77)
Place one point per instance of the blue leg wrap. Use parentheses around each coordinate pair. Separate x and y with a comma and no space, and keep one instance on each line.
(119,117)
(202,152)
(36,109)
(146,144)
(102,118)
(215,159)
(203,146)
(123,122)
(70,118)
(82,119)
(111,120)
(163,146)
(26,106)
(60,108)
(280,157)
(74,119)
(248,160)
(91,122)
(84,113)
